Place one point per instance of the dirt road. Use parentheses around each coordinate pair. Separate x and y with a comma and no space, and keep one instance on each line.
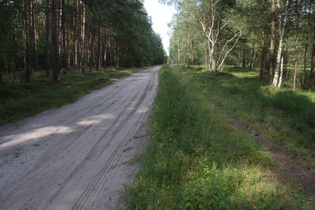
(76,157)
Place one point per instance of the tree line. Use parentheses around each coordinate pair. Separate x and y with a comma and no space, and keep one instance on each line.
(57,35)
(276,36)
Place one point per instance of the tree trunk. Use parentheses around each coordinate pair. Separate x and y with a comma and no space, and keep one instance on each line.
(117,55)
(27,41)
(76,34)
(48,67)
(63,37)
(263,48)
(272,41)
(83,38)
(107,48)
(306,46)
(281,72)
(191,45)
(296,63)
(91,43)
(253,58)
(212,61)
(189,53)
(178,52)
(54,38)
(244,59)
(68,37)
(281,31)
(98,54)
(34,36)
(207,58)
(278,65)
(31,39)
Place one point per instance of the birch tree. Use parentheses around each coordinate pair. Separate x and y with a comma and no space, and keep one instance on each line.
(278,74)
(213,18)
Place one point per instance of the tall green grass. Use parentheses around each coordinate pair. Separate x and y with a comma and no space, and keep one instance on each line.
(197,159)
(287,117)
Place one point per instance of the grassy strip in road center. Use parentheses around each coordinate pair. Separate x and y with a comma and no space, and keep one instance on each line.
(197,159)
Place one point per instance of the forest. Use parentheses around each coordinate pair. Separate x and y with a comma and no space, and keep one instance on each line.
(232,125)
(55,36)
(276,37)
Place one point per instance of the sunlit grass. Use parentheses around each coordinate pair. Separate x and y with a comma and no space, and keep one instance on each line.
(198,159)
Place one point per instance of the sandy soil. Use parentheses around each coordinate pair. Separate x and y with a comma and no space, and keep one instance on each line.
(76,157)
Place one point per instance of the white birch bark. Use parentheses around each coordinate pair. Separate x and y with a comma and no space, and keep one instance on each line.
(279,67)
(212,28)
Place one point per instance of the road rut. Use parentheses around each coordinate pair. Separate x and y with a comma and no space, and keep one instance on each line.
(76,157)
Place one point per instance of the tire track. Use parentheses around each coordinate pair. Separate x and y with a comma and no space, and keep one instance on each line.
(42,196)
(92,153)
(101,179)
(71,169)
(96,146)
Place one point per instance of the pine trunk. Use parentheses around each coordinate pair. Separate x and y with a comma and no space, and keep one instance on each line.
(306,46)
(263,52)
(83,39)
(63,37)
(76,34)
(48,67)
(253,58)
(296,63)
(27,41)
(98,54)
(54,38)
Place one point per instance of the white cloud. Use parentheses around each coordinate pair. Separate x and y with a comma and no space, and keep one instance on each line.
(161,15)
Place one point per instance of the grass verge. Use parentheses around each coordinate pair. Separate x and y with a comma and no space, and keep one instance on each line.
(197,158)
(22,99)
(287,117)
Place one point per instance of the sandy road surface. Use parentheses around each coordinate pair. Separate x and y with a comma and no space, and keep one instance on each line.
(76,157)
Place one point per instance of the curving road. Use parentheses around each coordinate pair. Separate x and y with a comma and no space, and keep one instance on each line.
(76,157)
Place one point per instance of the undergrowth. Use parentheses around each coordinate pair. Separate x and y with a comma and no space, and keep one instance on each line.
(197,159)
(21,99)
(285,116)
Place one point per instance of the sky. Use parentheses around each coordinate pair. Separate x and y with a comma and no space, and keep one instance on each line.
(161,15)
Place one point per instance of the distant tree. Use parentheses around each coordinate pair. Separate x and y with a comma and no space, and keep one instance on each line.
(213,18)
(185,47)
